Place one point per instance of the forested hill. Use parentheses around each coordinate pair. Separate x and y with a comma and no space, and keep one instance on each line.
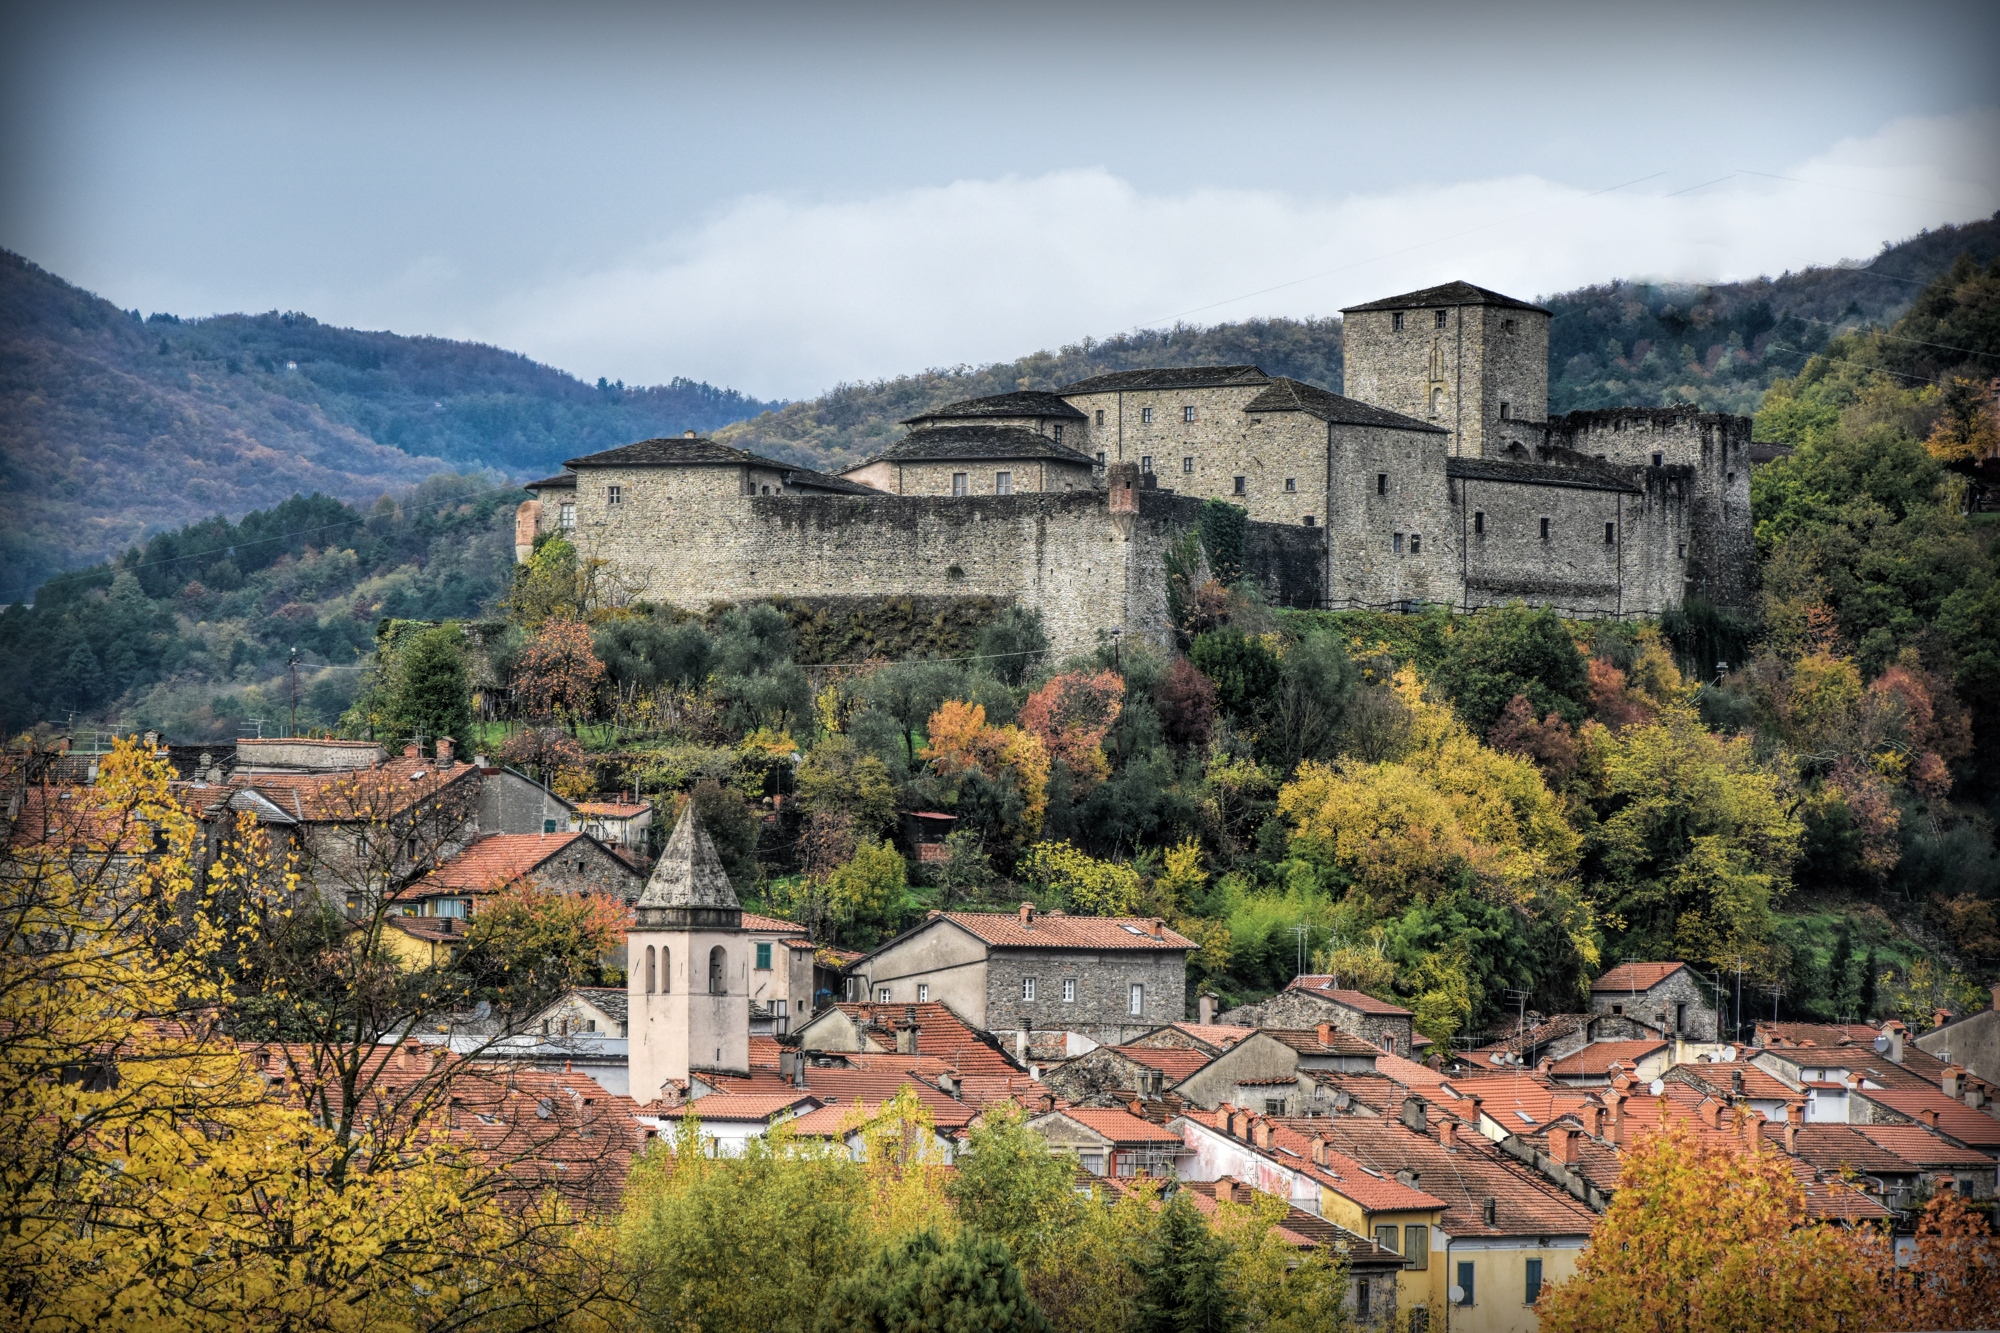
(1636,343)
(114,425)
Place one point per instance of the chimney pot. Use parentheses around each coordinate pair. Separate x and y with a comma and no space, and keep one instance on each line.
(1326,1034)
(1027,916)
(1929,1116)
(1318,1151)
(1204,1009)
(1447,1132)
(1159,927)
(1260,1133)
(1791,1137)
(1954,1081)
(1752,1121)
(411,751)
(1593,1120)
(687,435)
(1416,1114)
(445,745)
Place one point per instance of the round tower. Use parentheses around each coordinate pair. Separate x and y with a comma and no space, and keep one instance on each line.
(687,968)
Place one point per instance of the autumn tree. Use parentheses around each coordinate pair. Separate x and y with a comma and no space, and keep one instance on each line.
(1949,1281)
(543,752)
(558,673)
(1071,715)
(532,942)
(1703,1237)
(962,741)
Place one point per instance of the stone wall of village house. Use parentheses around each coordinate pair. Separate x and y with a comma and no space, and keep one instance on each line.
(1101,1008)
(1220,431)
(1656,1006)
(1301,1009)
(511,803)
(1093,1072)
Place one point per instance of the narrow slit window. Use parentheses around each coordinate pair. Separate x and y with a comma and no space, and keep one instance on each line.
(1396,543)
(1058,433)
(923,993)
(1545,529)
(1381,483)
(1416,543)
(1137,1001)
(1100,452)
(1069,990)
(1610,533)
(1503,411)
(1146,463)
(1659,460)
(1479,522)
(1100,416)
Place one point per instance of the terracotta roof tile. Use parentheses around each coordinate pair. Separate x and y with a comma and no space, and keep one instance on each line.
(1954,1118)
(1050,930)
(613,809)
(1306,1041)
(1599,1056)
(1630,977)
(759,1106)
(1174,1062)
(356,795)
(1721,1077)
(757,921)
(1814,1034)
(1359,1001)
(496,861)
(940,1033)
(1119,1126)
(1837,1147)
(1915,1143)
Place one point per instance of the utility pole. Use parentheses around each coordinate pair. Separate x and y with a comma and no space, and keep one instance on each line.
(293,667)
(1300,933)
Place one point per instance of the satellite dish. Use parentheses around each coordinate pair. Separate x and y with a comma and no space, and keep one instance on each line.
(1457,1294)
(482,1010)
(1656,1087)
(1729,1055)
(1881,1042)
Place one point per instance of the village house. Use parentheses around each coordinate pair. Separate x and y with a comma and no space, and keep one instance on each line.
(1273,1069)
(1972,1040)
(556,862)
(782,972)
(1666,996)
(1312,1000)
(621,824)
(1101,980)
(1372,1272)
(1112,1142)
(929,1029)
(1122,1073)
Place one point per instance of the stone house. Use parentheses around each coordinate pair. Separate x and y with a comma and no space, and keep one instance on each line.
(595,1010)
(1106,979)
(1667,996)
(1111,1142)
(1312,1000)
(781,973)
(1272,1071)
(1972,1040)
(1124,1072)
(561,862)
(931,1029)
(621,824)
(988,458)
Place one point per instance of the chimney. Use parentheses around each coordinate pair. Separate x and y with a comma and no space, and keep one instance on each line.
(1326,1034)
(444,749)
(1711,1113)
(412,750)
(1027,916)
(1593,1120)
(1736,1083)
(1204,1009)
(947,1082)
(1954,1082)
(788,1065)
(1474,1101)
(1489,1212)
(1237,1121)
(1616,1102)
(1416,1114)
(688,435)
(1939,1017)
(1021,1047)
(1895,1032)
(1929,1116)
(1159,927)
(1260,1133)
(1562,1145)
(1976,1095)
(1791,1136)
(906,1033)
(1123,479)
(1752,1121)
(1447,1133)
(1318,1151)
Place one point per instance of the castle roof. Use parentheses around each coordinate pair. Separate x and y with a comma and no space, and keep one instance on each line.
(1449,293)
(1025,403)
(699,451)
(948,443)
(1170,377)
(1289,395)
(689,879)
(1575,476)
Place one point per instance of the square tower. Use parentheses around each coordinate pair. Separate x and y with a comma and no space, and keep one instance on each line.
(687,970)
(1469,360)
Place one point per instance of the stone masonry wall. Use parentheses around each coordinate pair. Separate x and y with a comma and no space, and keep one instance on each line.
(1103,980)
(1513,369)
(1475,360)
(1657,1006)
(1029,475)
(1387,483)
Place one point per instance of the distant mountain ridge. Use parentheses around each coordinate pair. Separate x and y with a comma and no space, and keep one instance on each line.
(1622,343)
(113,426)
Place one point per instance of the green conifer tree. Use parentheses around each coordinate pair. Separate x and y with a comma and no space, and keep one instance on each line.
(968,1285)
(432,692)
(1184,1289)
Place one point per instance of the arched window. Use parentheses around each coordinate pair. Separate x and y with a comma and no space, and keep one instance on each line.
(666,969)
(652,971)
(718,964)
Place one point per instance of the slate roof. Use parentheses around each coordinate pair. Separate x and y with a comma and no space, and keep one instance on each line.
(1359,1001)
(701,451)
(1056,930)
(947,443)
(1169,377)
(1447,293)
(561,481)
(689,873)
(1289,395)
(496,861)
(609,1000)
(1025,403)
(1635,976)
(1545,1029)
(1573,476)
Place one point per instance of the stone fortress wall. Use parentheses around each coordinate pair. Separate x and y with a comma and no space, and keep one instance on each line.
(1440,479)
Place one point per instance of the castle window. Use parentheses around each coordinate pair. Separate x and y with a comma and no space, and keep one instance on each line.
(1187,465)
(1545,529)
(566,516)
(1058,433)
(1479,522)
(958,486)
(1610,533)
(1003,483)
(1506,326)
(1681,551)
(1146,463)
(1437,402)
(1381,483)
(718,971)
(1659,460)
(614,495)
(1396,322)
(1027,988)
(1416,543)
(1100,421)
(1291,485)
(1145,416)
(1309,520)
(1187,413)
(1730,477)
(1503,411)
(1396,543)
(1100,452)
(1444,319)
(1242,485)
(767,490)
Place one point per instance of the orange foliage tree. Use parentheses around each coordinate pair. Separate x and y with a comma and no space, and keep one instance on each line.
(1953,1278)
(1072,715)
(534,941)
(962,739)
(1704,1238)
(559,673)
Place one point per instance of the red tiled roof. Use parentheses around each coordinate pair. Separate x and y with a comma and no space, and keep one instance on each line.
(757,921)
(1119,1126)
(1814,1034)
(1219,1035)
(1598,1057)
(1914,1143)
(837,1118)
(764,1052)
(1720,1076)
(1837,1147)
(430,929)
(355,795)
(1372,1188)
(1306,1041)
(612,809)
(1297,1228)
(1359,1001)
(1954,1118)
(1174,1062)
(494,862)
(1519,1101)
(759,1106)
(1410,1073)
(1057,930)
(1635,976)
(940,1032)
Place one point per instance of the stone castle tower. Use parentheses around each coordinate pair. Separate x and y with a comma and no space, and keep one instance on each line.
(1456,356)
(687,968)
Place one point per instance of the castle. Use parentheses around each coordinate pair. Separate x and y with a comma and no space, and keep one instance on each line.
(1439,478)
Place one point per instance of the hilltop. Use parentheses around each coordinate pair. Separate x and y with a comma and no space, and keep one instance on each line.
(115,425)
(1620,343)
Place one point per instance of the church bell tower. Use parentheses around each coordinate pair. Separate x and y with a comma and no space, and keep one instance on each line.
(687,968)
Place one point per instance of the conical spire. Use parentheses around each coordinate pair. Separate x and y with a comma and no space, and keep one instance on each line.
(688,888)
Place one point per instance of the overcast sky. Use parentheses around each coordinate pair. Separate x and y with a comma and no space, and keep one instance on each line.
(780,197)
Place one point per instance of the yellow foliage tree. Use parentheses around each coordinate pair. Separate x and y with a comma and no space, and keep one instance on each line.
(961,739)
(1100,888)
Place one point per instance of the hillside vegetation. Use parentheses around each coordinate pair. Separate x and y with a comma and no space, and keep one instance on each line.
(114,426)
